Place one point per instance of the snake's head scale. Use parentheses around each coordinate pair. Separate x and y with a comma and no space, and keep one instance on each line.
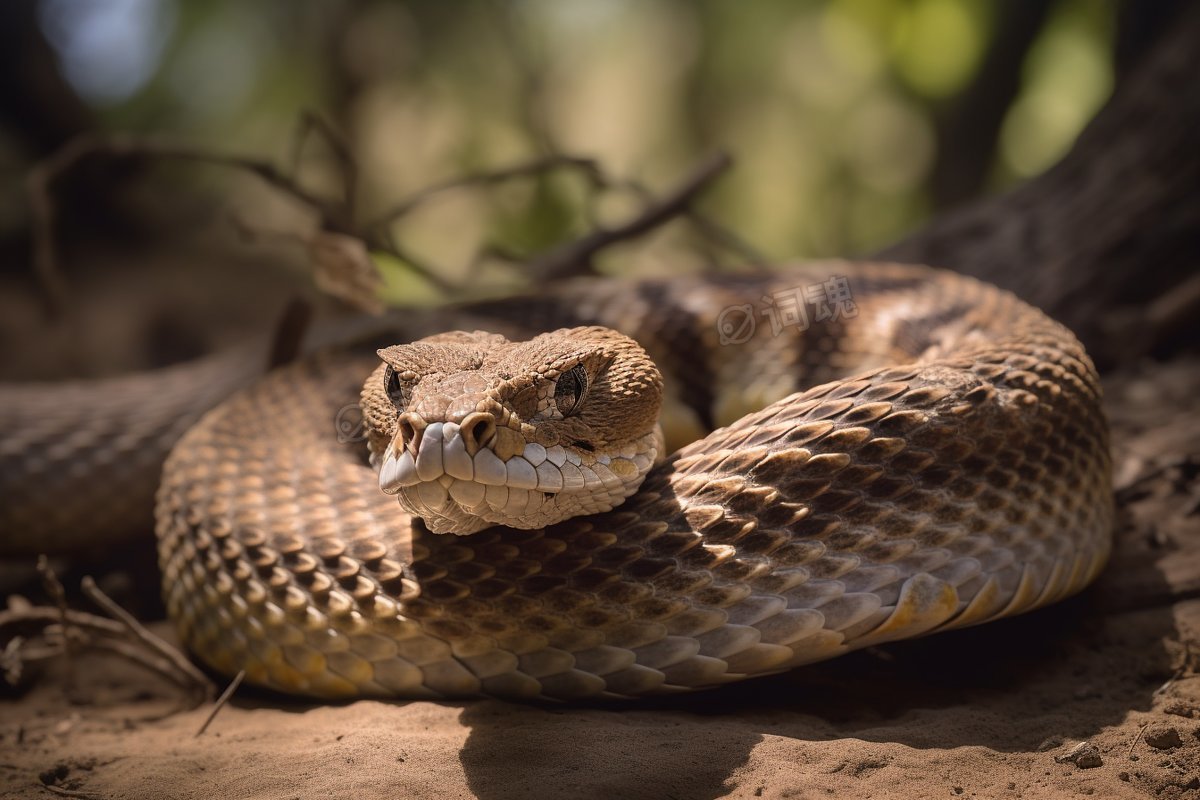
(470,430)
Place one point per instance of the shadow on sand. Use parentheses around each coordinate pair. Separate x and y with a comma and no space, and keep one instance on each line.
(1007,686)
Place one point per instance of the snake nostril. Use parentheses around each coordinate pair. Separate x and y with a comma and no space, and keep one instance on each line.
(410,427)
(477,429)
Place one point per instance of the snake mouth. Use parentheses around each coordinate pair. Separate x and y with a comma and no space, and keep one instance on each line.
(443,453)
(435,476)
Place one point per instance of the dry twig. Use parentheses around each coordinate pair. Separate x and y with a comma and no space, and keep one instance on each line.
(576,257)
(41,616)
(337,217)
(222,700)
(54,588)
(293,323)
(143,635)
(65,630)
(64,792)
(540,166)
(1137,738)
(1184,666)
(310,124)
(44,175)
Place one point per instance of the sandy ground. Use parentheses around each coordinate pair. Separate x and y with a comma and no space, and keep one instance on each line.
(993,712)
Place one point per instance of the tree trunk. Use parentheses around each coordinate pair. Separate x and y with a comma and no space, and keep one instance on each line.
(1107,240)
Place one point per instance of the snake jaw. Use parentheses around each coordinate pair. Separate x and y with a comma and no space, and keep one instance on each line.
(396,472)
(455,492)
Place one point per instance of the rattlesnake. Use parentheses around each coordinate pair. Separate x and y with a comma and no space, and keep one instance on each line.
(913,452)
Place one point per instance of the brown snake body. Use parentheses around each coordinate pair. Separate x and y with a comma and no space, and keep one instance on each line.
(926,454)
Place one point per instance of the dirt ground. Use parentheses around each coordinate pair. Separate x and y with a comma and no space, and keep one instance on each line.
(1096,696)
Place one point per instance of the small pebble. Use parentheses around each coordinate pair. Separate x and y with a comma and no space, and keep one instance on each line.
(1084,755)
(1162,736)
(1049,743)
(1181,708)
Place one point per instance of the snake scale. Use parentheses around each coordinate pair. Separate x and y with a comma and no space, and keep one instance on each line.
(920,453)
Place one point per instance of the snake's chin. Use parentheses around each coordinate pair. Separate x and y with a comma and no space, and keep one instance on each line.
(533,489)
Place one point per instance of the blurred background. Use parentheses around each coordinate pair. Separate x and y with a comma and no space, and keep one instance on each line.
(849,122)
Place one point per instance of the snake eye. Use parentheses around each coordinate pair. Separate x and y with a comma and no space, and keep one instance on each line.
(395,391)
(569,390)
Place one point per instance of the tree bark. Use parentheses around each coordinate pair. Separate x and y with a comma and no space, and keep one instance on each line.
(969,127)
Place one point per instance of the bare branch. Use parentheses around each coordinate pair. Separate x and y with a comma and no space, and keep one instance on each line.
(707,227)
(43,176)
(160,666)
(222,700)
(289,332)
(416,265)
(311,123)
(63,792)
(143,634)
(54,588)
(41,616)
(336,218)
(538,166)
(575,257)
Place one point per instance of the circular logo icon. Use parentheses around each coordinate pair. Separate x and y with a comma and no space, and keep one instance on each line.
(348,424)
(735,324)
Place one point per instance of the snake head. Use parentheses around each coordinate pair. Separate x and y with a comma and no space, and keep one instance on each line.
(470,430)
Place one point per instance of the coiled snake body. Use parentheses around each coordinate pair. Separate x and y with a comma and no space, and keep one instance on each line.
(923,453)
